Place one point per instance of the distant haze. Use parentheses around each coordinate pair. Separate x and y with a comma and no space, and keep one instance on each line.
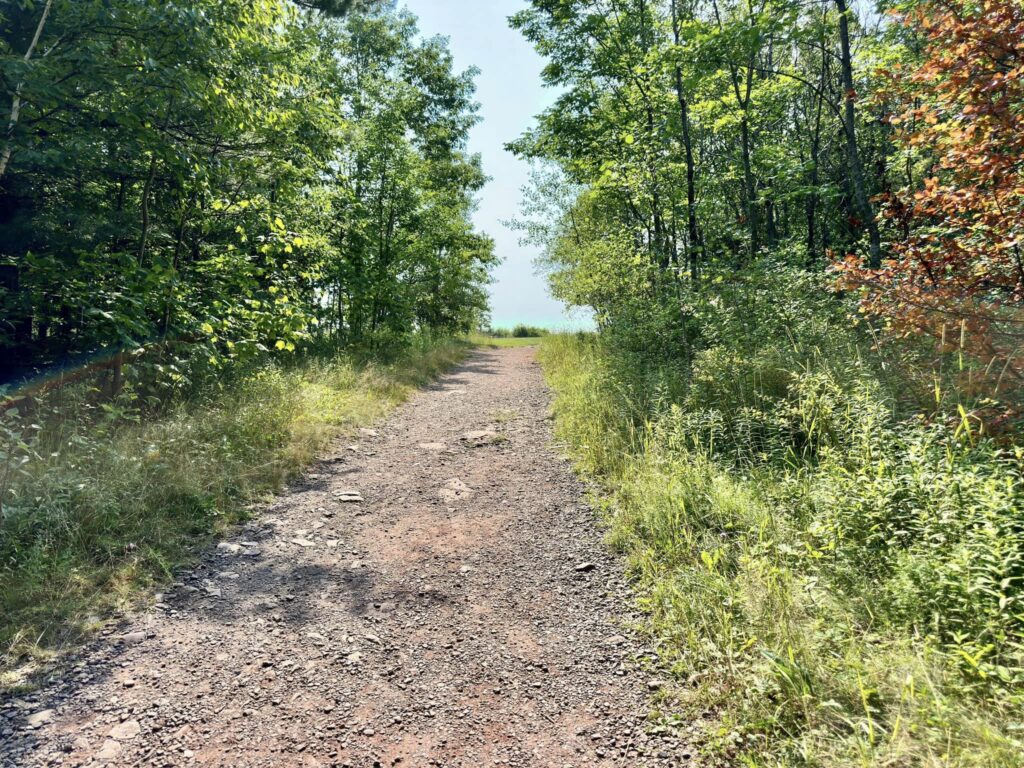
(510,93)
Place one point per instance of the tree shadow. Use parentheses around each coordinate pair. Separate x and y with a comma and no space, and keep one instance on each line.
(483,363)
(283,593)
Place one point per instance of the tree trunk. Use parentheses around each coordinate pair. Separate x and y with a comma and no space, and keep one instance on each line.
(743,101)
(660,246)
(866,210)
(771,231)
(749,192)
(692,231)
(811,205)
(12,123)
(147,191)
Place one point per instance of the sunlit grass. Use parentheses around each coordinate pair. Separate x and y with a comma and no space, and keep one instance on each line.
(787,593)
(105,512)
(498,342)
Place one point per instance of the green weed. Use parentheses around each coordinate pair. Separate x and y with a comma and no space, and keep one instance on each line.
(98,508)
(837,579)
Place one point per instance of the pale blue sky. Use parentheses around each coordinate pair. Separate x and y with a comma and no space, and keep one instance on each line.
(510,93)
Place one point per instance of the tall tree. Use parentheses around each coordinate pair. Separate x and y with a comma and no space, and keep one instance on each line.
(195,183)
(864,206)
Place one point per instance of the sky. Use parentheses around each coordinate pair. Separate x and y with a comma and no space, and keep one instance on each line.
(510,93)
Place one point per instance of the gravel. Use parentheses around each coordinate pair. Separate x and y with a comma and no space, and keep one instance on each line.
(435,594)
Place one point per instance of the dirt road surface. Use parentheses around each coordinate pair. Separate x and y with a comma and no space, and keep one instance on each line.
(433,593)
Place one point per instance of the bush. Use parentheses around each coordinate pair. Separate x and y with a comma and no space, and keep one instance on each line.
(518,332)
(528,332)
(837,578)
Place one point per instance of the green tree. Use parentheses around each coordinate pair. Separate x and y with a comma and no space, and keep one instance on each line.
(189,184)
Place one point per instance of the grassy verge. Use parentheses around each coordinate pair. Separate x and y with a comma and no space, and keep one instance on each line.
(99,512)
(836,585)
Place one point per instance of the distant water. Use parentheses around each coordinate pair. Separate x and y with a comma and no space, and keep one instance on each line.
(570,320)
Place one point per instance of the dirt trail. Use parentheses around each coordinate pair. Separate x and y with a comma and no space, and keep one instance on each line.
(424,597)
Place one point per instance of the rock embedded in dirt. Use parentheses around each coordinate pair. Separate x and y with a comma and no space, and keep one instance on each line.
(39,719)
(109,751)
(348,497)
(125,731)
(454,490)
(481,437)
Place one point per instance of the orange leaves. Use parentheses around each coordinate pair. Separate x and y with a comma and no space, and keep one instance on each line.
(962,260)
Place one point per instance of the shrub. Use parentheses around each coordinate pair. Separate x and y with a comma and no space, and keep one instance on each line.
(837,578)
(528,332)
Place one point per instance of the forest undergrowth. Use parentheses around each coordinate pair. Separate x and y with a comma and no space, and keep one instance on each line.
(831,570)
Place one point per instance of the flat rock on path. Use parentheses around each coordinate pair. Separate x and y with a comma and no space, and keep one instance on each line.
(419,599)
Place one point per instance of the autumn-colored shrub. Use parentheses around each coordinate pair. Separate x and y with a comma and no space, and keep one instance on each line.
(956,266)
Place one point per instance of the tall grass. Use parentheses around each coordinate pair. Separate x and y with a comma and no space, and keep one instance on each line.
(519,331)
(836,580)
(98,507)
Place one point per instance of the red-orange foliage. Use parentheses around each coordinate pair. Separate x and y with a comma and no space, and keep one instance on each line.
(961,263)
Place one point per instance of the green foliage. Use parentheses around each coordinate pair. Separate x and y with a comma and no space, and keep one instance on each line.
(209,183)
(837,580)
(703,134)
(335,7)
(519,335)
(826,535)
(99,502)
(520,331)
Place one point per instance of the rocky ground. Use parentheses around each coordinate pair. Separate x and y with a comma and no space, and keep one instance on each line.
(434,594)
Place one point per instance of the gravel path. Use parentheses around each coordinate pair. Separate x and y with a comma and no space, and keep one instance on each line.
(435,594)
